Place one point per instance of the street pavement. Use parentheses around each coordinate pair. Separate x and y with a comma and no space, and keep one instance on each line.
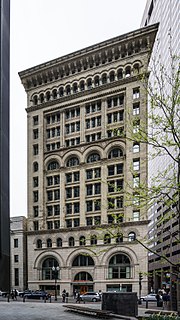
(38,310)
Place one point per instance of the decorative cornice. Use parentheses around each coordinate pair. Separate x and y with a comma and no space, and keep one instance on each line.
(103,53)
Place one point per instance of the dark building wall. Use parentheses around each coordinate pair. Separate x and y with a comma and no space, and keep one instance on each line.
(4,145)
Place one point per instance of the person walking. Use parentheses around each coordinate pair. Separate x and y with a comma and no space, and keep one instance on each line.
(78,299)
(15,294)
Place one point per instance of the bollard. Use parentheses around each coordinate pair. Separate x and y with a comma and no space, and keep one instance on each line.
(24,298)
(66,300)
(146,304)
(44,299)
(8,298)
(50,298)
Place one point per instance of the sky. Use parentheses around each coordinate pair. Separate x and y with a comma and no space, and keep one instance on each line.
(42,30)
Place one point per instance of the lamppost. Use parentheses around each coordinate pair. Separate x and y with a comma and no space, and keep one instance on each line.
(55,271)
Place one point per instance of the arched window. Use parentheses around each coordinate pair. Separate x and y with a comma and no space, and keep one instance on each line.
(120,74)
(68,90)
(53,165)
(93,157)
(82,86)
(107,238)
(49,243)
(119,267)
(93,239)
(115,153)
(111,76)
(54,93)
(136,68)
(127,72)
(96,81)
(48,95)
(104,78)
(59,242)
(61,91)
(83,276)
(39,243)
(35,100)
(83,260)
(47,271)
(119,238)
(71,242)
(136,147)
(82,241)
(75,88)
(132,236)
(72,162)
(89,83)
(35,166)
(42,97)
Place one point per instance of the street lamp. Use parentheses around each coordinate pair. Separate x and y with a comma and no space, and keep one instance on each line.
(55,271)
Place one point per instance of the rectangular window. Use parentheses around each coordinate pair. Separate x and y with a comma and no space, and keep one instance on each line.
(35,134)
(89,206)
(136,215)
(97,189)
(136,109)
(76,207)
(97,173)
(35,149)
(136,165)
(16,258)
(119,203)
(35,196)
(119,168)
(56,224)
(68,177)
(97,220)
(49,195)
(56,194)
(68,193)
(89,174)
(35,120)
(35,182)
(50,211)
(49,181)
(136,181)
(49,225)
(56,210)
(136,93)
(76,222)
(97,205)
(76,192)
(69,208)
(69,223)
(89,190)
(111,170)
(36,225)
(111,186)
(89,221)
(36,211)
(16,277)
(76,176)
(57,179)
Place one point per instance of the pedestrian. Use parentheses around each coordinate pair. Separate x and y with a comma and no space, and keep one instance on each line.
(15,294)
(78,299)
(165,299)
(12,295)
(75,293)
(158,298)
(63,295)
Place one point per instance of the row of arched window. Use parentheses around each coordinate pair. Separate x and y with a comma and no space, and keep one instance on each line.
(82,240)
(87,84)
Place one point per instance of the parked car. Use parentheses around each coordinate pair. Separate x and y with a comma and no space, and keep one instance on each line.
(90,296)
(150,297)
(38,294)
(3,293)
(22,293)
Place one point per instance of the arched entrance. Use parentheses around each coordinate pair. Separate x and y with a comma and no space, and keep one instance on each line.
(83,282)
(50,272)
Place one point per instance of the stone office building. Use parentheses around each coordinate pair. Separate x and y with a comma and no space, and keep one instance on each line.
(81,166)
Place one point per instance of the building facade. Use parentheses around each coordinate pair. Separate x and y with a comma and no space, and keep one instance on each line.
(4,145)
(84,215)
(164,232)
(18,253)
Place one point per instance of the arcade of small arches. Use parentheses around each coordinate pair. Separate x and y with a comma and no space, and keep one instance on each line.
(82,241)
(87,84)
(92,157)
